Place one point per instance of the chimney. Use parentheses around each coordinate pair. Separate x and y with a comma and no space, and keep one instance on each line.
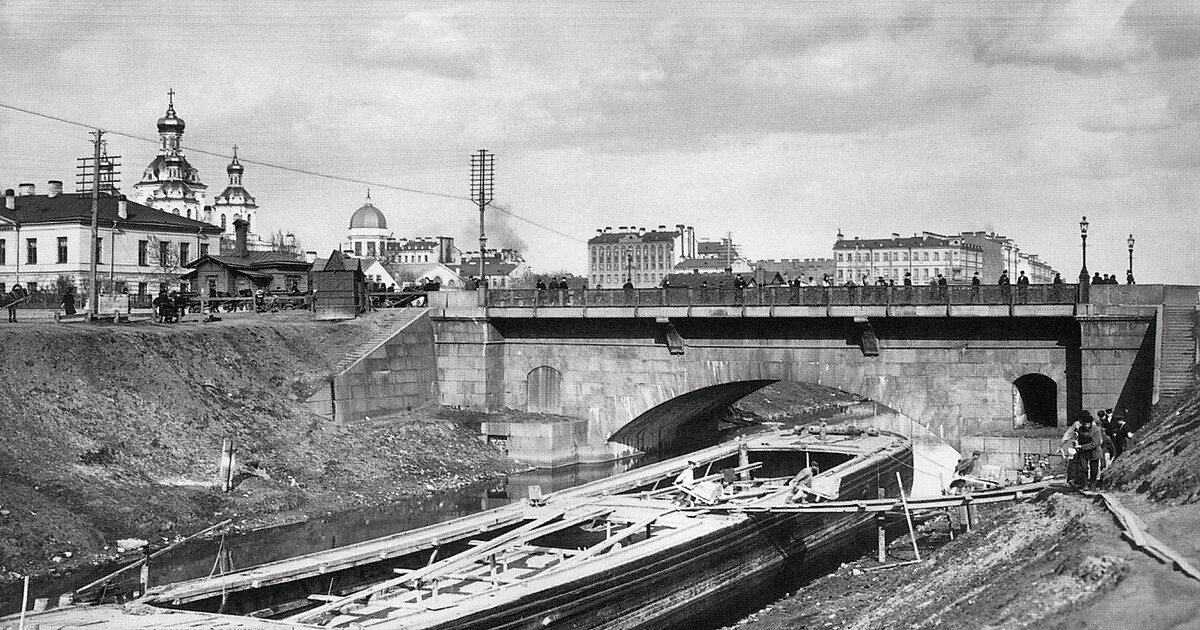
(10,199)
(122,207)
(310,256)
(25,190)
(239,228)
(54,187)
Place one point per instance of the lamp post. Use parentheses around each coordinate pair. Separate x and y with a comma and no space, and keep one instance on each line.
(1130,241)
(1084,279)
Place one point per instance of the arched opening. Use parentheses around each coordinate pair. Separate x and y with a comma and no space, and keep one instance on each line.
(1035,400)
(543,386)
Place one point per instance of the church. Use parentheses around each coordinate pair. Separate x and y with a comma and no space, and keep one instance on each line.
(170,183)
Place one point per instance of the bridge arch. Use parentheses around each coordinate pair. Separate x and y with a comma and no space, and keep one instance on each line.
(674,423)
(1035,400)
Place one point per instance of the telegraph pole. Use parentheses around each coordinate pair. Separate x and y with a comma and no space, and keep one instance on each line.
(483,182)
(95,297)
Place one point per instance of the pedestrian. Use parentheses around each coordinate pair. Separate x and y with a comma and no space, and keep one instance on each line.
(1058,278)
(1091,448)
(941,280)
(1022,280)
(1129,278)
(907,279)
(541,285)
(966,465)
(1096,279)
(975,281)
(68,300)
(1120,434)
(162,307)
(1003,280)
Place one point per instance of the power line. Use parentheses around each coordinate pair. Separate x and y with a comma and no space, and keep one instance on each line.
(281,167)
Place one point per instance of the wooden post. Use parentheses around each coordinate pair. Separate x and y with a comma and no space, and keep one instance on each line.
(880,522)
(908,516)
(743,461)
(24,600)
(224,466)
(972,516)
(144,575)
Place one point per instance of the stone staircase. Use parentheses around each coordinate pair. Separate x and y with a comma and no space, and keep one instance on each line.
(1177,360)
(392,323)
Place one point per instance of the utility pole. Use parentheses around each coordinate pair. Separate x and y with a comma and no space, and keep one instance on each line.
(95,297)
(483,182)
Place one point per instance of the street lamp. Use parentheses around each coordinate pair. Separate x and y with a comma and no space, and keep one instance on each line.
(1083,228)
(1130,241)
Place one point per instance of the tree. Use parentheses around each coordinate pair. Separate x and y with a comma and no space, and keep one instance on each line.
(165,266)
(286,244)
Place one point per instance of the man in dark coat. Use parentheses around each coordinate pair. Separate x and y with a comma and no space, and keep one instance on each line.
(1003,280)
(163,306)
(1091,448)
(68,301)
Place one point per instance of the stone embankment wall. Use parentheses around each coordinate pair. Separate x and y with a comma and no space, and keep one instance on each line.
(399,374)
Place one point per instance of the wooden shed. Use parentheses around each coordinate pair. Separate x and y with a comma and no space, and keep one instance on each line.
(339,288)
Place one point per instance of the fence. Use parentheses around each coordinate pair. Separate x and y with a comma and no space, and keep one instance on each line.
(788,296)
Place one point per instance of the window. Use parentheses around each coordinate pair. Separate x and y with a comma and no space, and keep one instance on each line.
(3,253)
(99,251)
(142,287)
(31,287)
(247,223)
(358,248)
(935,256)
(371,249)
(62,249)
(222,221)
(183,253)
(2,287)
(176,211)
(164,251)
(203,249)
(189,213)
(143,255)
(924,255)
(121,287)
(31,251)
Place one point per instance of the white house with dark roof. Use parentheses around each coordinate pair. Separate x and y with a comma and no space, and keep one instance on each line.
(141,249)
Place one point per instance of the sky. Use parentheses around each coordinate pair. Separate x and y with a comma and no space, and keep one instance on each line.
(779,123)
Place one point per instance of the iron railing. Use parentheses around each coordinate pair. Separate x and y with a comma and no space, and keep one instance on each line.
(962,295)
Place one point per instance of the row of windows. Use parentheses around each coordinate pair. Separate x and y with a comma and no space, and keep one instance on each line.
(164,252)
(903,256)
(896,274)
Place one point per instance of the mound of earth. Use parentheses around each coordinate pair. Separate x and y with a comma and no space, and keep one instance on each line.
(1164,461)
(115,432)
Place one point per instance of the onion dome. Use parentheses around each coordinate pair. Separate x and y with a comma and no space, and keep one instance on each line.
(170,122)
(234,166)
(368,216)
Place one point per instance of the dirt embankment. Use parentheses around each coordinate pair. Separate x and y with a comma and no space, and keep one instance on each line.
(114,432)
(1055,562)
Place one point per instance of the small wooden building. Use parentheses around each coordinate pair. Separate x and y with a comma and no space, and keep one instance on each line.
(339,287)
(244,272)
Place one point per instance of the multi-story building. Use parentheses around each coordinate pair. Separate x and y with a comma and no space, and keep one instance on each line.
(925,257)
(1001,253)
(797,268)
(139,249)
(504,268)
(643,257)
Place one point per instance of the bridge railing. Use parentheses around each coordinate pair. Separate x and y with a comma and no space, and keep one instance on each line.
(787,296)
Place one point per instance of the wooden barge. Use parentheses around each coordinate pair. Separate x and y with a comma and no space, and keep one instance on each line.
(643,549)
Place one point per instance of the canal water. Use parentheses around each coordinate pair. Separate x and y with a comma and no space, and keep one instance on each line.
(933,460)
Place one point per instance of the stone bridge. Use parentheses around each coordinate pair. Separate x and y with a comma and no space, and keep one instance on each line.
(636,367)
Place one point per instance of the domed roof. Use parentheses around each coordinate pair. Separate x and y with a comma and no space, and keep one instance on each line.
(368,216)
(170,122)
(234,166)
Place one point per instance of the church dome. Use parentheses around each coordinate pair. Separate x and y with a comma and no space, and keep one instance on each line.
(170,122)
(369,217)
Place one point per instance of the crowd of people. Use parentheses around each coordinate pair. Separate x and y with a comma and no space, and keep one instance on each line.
(1090,444)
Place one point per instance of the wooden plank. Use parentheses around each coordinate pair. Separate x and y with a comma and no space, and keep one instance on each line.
(1135,529)
(449,564)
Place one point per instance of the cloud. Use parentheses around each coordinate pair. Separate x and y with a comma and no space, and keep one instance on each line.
(449,42)
(1077,36)
(1172,26)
